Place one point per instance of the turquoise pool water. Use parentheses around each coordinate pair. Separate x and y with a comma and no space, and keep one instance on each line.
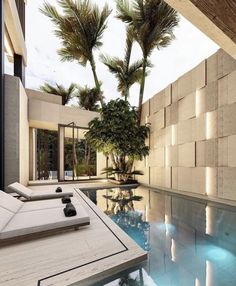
(189,242)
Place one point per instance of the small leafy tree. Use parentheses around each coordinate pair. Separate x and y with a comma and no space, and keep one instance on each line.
(118,135)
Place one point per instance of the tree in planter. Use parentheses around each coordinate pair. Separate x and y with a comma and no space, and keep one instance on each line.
(118,135)
(152,22)
(65,93)
(80,29)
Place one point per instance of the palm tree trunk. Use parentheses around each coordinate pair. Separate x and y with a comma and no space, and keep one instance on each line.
(141,92)
(129,43)
(127,94)
(93,66)
(113,161)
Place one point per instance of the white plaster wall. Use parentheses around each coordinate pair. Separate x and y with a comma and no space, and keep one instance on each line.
(43,96)
(47,115)
(101,164)
(193,131)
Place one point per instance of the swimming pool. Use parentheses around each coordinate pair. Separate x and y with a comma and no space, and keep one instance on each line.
(189,242)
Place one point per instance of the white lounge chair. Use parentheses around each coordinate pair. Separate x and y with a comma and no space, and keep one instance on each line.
(20,219)
(31,195)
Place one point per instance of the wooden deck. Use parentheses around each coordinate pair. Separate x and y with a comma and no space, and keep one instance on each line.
(85,256)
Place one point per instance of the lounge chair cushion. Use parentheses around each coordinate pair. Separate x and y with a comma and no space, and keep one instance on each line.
(5,217)
(45,204)
(9,203)
(37,195)
(24,223)
(21,190)
(42,194)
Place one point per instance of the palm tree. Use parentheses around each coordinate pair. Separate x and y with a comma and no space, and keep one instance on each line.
(126,74)
(80,29)
(88,98)
(152,22)
(65,93)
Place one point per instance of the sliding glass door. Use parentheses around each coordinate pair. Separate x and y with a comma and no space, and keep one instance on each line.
(77,159)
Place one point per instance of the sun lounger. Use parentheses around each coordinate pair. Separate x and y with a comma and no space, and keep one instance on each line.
(20,219)
(31,195)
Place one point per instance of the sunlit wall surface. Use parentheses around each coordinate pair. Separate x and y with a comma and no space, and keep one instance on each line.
(193,133)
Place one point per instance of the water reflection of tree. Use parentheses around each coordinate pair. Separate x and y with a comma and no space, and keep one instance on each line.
(122,212)
(122,200)
(129,281)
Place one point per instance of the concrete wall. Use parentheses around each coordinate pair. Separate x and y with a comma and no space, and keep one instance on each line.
(101,164)
(46,115)
(193,131)
(43,96)
(17,132)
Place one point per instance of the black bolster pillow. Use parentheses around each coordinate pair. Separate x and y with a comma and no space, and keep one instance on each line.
(66,200)
(70,210)
(58,190)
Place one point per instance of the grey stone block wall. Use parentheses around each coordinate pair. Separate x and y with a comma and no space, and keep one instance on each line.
(193,131)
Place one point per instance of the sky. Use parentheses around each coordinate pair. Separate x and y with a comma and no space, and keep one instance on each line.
(188,49)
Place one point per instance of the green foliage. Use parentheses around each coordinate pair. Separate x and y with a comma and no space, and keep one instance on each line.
(85,170)
(88,98)
(117,131)
(111,171)
(66,93)
(123,174)
(152,23)
(80,28)
(126,74)
(129,281)
(118,134)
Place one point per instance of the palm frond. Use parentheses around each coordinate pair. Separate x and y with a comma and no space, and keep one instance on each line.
(80,28)
(124,11)
(88,98)
(66,93)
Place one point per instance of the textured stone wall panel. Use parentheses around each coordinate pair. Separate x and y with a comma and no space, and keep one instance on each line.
(212,69)
(157,157)
(145,112)
(157,120)
(198,180)
(193,131)
(187,108)
(229,119)
(232,151)
(232,87)
(199,128)
(226,64)
(223,152)
(184,131)
(227,181)
(186,155)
